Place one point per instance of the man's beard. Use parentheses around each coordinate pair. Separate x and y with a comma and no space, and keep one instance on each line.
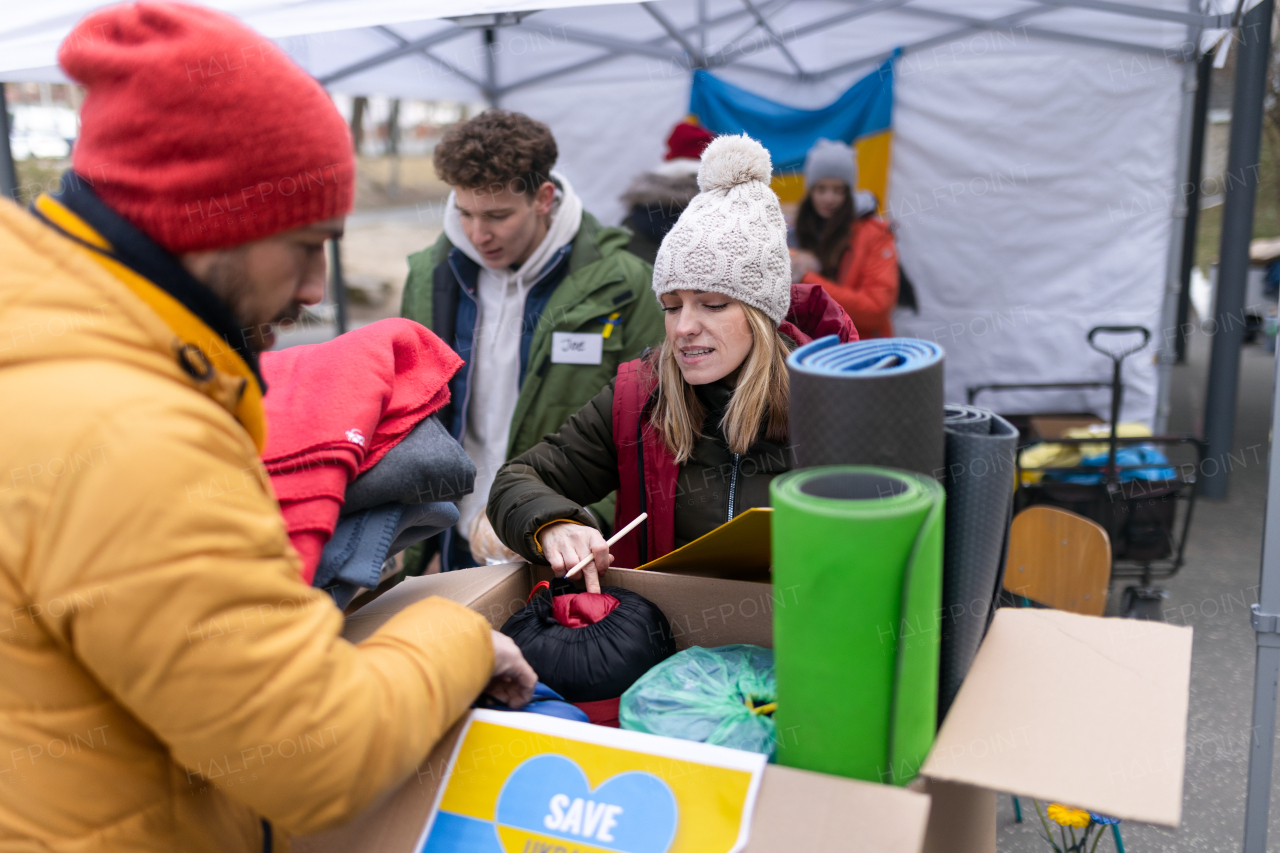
(228,278)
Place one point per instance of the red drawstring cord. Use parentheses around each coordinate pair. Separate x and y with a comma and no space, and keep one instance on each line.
(539,585)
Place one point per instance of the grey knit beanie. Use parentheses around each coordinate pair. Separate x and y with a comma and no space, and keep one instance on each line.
(827,159)
(731,238)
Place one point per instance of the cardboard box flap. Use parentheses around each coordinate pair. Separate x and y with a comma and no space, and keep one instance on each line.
(465,586)
(706,611)
(740,549)
(1081,710)
(798,810)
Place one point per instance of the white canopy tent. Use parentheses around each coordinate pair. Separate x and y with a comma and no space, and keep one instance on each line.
(1037,177)
(1038,160)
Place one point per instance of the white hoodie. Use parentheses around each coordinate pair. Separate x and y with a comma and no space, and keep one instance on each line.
(495,351)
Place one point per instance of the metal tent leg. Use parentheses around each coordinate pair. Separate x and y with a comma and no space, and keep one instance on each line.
(1195,173)
(1166,348)
(1267,663)
(1237,229)
(1266,626)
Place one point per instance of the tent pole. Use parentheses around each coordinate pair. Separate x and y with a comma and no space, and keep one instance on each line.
(1194,175)
(1237,228)
(973,25)
(1267,662)
(1166,353)
(1194,18)
(404,49)
(8,173)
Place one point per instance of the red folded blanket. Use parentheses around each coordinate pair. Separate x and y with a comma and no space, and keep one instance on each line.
(580,609)
(602,713)
(334,409)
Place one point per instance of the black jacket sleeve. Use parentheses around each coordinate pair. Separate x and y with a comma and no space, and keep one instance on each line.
(557,478)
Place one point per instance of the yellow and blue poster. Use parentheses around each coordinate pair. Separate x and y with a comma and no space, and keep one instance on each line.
(861,117)
(526,783)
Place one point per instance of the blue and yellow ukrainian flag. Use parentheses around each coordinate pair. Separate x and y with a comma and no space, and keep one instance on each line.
(862,117)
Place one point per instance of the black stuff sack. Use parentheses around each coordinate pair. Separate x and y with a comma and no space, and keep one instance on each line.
(597,661)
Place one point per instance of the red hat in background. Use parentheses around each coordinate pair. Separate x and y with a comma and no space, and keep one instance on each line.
(687,140)
(200,131)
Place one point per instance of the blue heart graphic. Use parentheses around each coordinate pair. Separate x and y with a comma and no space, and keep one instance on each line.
(633,812)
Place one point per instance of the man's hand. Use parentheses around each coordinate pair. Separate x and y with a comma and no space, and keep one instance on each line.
(513,679)
(565,544)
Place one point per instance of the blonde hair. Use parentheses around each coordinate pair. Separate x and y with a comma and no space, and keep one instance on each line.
(759,402)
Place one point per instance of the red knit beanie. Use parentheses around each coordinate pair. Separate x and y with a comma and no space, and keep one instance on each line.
(201,132)
(687,140)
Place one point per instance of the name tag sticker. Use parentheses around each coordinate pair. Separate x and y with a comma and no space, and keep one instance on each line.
(576,348)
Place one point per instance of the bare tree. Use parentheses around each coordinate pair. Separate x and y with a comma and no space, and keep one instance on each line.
(359,106)
(393,148)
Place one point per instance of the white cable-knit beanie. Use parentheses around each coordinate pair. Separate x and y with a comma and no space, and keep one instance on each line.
(731,238)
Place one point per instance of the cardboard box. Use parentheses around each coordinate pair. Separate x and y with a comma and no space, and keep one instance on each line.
(1061,707)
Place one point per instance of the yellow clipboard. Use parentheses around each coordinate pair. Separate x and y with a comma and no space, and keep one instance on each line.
(737,550)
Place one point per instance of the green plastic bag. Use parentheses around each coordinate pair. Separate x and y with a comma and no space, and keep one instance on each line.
(723,696)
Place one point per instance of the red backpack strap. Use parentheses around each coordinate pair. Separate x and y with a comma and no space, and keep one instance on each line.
(647,471)
(661,478)
(628,408)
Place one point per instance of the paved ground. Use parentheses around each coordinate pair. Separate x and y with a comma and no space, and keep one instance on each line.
(1212,595)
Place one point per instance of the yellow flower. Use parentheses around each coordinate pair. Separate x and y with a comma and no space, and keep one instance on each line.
(1067,816)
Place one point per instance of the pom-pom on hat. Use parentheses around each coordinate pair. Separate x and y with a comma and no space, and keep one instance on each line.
(731,239)
(201,132)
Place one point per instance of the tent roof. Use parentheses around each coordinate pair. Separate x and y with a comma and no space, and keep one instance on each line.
(1077,111)
(400,48)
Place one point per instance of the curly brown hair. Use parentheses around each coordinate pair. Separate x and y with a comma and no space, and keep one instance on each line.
(497,149)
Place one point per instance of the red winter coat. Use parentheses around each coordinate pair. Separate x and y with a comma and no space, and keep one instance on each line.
(867,285)
(647,479)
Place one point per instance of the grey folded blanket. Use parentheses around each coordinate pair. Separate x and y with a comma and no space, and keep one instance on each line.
(352,558)
(427,465)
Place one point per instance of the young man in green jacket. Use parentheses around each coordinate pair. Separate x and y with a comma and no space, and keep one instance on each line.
(541,301)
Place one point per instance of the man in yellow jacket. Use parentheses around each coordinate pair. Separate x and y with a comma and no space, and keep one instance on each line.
(169,683)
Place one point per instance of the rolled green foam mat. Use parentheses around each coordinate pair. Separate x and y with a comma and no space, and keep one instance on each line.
(857,585)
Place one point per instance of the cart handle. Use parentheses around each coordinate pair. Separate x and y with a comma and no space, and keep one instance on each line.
(1119,330)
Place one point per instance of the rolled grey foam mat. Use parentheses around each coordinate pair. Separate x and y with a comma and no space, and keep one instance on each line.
(874,402)
(979,482)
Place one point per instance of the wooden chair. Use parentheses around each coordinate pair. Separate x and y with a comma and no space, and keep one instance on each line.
(1060,560)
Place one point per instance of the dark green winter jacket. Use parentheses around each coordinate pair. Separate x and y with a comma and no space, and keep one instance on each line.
(602,280)
(579,463)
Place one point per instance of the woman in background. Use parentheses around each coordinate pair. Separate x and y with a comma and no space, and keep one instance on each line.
(840,243)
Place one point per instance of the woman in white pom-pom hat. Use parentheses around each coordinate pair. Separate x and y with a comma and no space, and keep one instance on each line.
(691,433)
